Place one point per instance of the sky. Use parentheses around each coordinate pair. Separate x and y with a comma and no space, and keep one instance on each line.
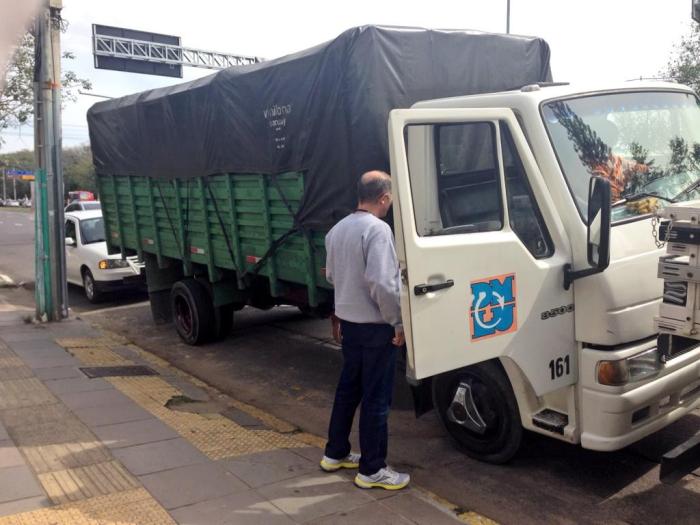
(590,40)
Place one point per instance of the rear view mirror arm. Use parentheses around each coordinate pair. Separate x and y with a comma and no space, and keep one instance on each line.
(570,275)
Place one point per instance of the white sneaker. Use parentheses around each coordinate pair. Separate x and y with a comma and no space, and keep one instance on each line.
(384,478)
(352,460)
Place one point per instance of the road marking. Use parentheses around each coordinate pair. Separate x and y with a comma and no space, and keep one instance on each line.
(18,224)
(112,309)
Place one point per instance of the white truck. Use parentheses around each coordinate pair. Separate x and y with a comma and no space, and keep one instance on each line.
(523,224)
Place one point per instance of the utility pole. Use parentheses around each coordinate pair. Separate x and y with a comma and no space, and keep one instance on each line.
(508,17)
(4,184)
(50,256)
(14,188)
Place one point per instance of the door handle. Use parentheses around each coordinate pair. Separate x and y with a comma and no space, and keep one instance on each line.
(422,289)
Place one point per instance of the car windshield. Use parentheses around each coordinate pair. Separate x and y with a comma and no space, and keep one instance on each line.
(93,205)
(647,144)
(92,230)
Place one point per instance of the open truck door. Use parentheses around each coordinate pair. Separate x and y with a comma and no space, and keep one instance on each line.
(482,260)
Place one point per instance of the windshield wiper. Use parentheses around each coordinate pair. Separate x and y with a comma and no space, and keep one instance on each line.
(691,187)
(642,195)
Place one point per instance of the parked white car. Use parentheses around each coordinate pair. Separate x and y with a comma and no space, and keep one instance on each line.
(89,265)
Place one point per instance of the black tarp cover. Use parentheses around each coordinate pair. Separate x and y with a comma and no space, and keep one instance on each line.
(323,110)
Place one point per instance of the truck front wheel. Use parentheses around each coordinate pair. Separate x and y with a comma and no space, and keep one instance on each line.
(193,312)
(479,411)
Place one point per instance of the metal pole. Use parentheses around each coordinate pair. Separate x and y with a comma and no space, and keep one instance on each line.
(4,189)
(58,224)
(508,17)
(51,288)
(14,188)
(42,271)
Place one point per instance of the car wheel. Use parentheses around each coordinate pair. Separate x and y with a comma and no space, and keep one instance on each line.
(193,312)
(479,411)
(90,287)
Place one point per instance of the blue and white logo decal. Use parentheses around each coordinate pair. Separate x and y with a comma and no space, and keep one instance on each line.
(494,308)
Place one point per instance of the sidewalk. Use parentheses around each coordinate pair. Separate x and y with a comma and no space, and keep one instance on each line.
(161,448)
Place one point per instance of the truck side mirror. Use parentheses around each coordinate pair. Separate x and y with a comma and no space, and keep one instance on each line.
(599,223)
(598,235)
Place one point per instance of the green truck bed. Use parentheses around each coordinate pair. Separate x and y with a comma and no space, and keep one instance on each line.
(229,228)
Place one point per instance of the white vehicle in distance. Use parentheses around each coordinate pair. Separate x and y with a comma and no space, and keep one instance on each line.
(83,206)
(89,265)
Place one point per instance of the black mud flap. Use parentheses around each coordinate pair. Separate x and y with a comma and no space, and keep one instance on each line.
(680,461)
(421,389)
(422,397)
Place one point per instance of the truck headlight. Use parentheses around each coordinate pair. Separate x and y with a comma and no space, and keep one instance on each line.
(636,368)
(111,264)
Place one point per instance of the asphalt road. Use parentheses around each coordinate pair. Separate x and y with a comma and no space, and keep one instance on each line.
(17,243)
(285,363)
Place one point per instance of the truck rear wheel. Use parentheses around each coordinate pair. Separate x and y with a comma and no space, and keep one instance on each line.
(479,411)
(193,312)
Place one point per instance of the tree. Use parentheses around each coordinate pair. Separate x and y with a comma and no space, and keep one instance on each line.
(78,169)
(684,65)
(17,99)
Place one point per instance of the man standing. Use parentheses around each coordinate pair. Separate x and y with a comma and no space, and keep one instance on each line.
(362,266)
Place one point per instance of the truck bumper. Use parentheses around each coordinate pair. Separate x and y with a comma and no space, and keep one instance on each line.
(614,417)
(130,282)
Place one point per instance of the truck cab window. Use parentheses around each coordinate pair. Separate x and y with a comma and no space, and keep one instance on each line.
(455,178)
(524,215)
(468,182)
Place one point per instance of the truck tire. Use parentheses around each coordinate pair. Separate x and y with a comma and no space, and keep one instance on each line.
(193,312)
(499,431)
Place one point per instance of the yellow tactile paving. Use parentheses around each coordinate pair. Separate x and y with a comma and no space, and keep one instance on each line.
(98,356)
(215,435)
(5,351)
(61,456)
(18,393)
(270,420)
(311,440)
(152,359)
(15,372)
(80,342)
(75,469)
(133,507)
(80,483)
(10,361)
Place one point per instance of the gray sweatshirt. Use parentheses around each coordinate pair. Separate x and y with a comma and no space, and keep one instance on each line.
(362,266)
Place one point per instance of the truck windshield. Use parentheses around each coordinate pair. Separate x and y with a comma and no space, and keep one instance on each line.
(647,144)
